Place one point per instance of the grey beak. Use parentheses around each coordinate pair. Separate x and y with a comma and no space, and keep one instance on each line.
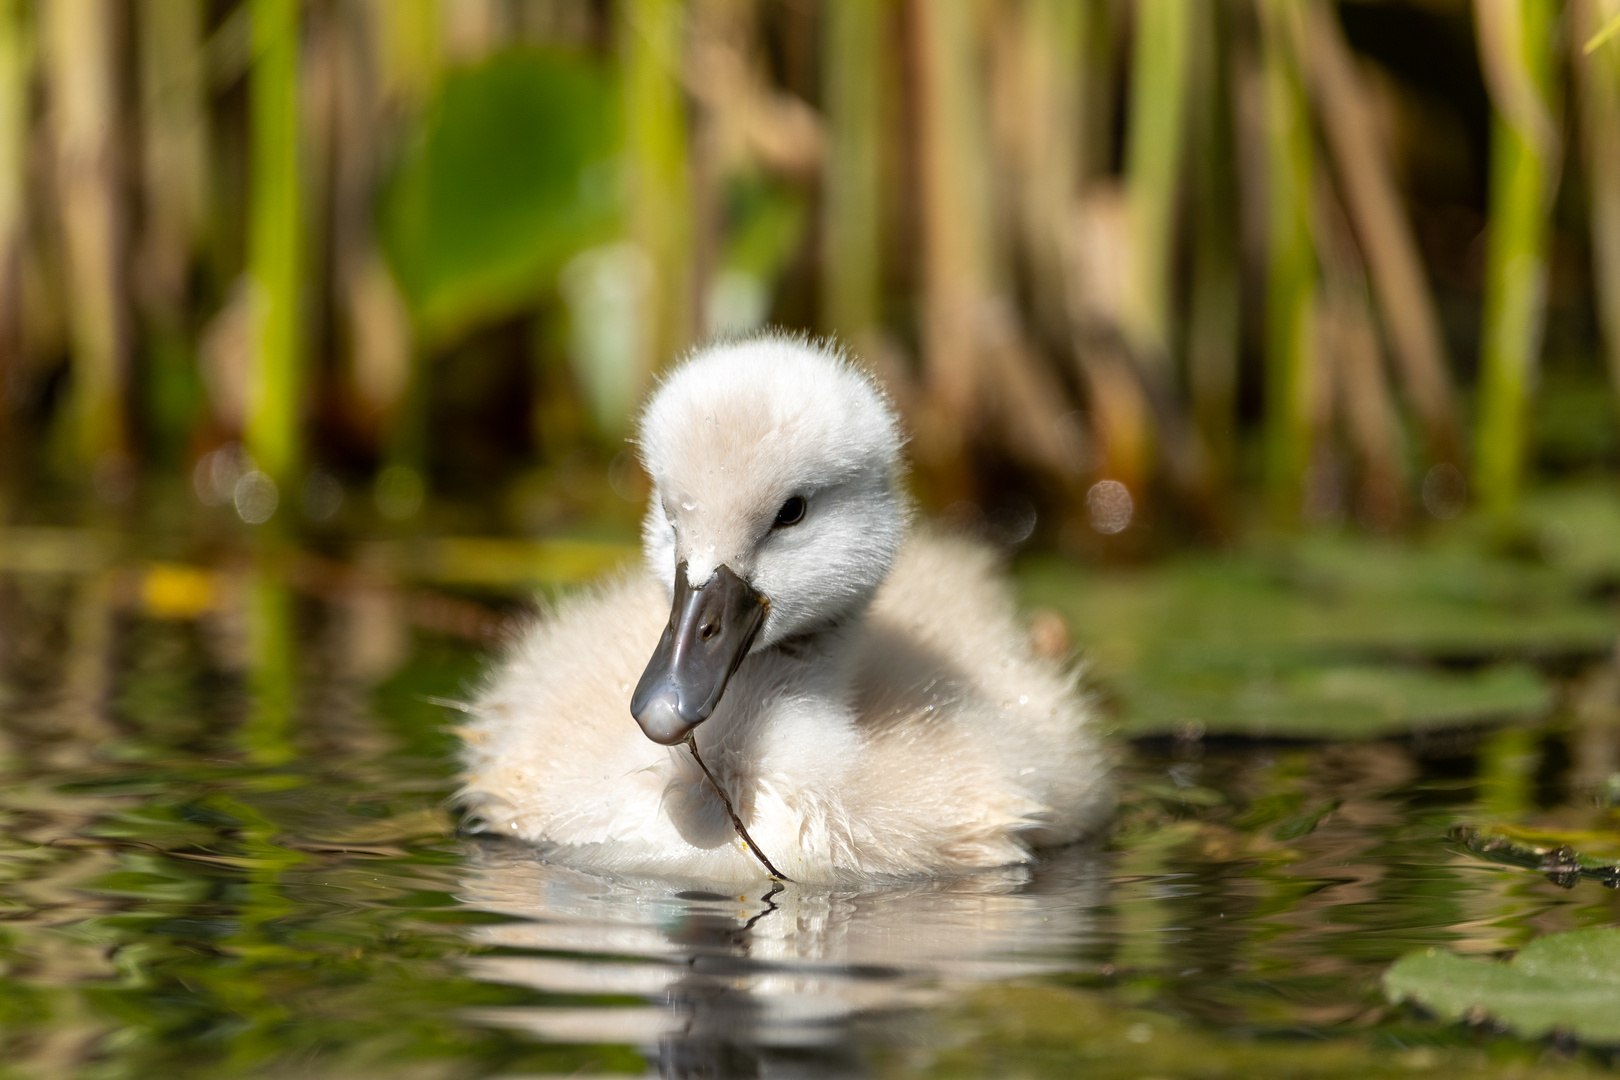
(711,627)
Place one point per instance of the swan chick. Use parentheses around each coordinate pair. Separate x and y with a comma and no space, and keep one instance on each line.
(862,691)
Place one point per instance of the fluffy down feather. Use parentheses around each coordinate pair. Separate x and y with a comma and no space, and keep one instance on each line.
(890,720)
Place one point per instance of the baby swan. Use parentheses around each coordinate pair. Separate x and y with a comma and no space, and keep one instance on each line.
(867,700)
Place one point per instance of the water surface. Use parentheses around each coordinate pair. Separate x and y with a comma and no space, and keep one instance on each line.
(227,852)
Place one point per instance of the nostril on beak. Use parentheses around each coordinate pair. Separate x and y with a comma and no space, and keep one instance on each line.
(709,630)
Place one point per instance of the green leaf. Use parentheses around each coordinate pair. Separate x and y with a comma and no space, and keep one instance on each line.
(1344,637)
(766,222)
(515,171)
(1053,1031)
(1562,982)
(1345,702)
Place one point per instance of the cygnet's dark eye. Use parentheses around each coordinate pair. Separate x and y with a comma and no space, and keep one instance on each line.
(792,513)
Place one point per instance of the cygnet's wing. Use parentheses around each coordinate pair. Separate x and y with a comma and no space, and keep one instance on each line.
(552,750)
(948,687)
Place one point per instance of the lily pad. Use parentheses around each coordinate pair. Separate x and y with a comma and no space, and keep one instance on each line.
(1052,1031)
(1345,702)
(1338,636)
(1566,982)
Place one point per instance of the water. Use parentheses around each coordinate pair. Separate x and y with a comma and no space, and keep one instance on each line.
(227,853)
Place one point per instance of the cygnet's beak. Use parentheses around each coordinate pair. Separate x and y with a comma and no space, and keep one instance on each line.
(710,629)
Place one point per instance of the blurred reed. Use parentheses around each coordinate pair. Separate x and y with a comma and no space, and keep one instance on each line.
(1291,266)
(174,150)
(852,237)
(1516,39)
(955,211)
(1597,66)
(1051,58)
(651,52)
(1353,376)
(1214,301)
(16,55)
(1154,142)
(79,38)
(276,269)
(1181,248)
(1404,297)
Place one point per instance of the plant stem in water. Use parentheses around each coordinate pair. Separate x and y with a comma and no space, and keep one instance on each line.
(736,822)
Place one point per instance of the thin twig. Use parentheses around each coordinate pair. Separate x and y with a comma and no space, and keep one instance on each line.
(736,822)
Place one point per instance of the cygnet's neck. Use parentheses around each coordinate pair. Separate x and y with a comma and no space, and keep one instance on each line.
(801,678)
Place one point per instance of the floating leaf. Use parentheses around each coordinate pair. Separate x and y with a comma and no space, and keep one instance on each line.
(1337,636)
(1563,982)
(1050,1031)
(1349,702)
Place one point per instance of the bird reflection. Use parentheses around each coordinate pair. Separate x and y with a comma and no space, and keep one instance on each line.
(785,981)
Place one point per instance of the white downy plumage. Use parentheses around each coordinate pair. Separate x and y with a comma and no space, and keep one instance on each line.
(888,720)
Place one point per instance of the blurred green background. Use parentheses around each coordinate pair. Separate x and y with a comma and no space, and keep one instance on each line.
(1280,339)
(1138,273)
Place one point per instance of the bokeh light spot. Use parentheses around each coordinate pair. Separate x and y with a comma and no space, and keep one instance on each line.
(1109,507)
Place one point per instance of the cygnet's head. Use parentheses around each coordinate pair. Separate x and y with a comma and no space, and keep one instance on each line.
(775,511)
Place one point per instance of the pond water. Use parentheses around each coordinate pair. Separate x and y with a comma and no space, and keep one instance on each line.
(227,852)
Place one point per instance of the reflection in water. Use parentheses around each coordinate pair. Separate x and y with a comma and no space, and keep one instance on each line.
(779,982)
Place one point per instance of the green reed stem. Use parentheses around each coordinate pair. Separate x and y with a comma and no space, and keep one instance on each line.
(851,257)
(660,211)
(275,243)
(1516,38)
(1291,267)
(1599,69)
(1153,149)
(1213,304)
(175,203)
